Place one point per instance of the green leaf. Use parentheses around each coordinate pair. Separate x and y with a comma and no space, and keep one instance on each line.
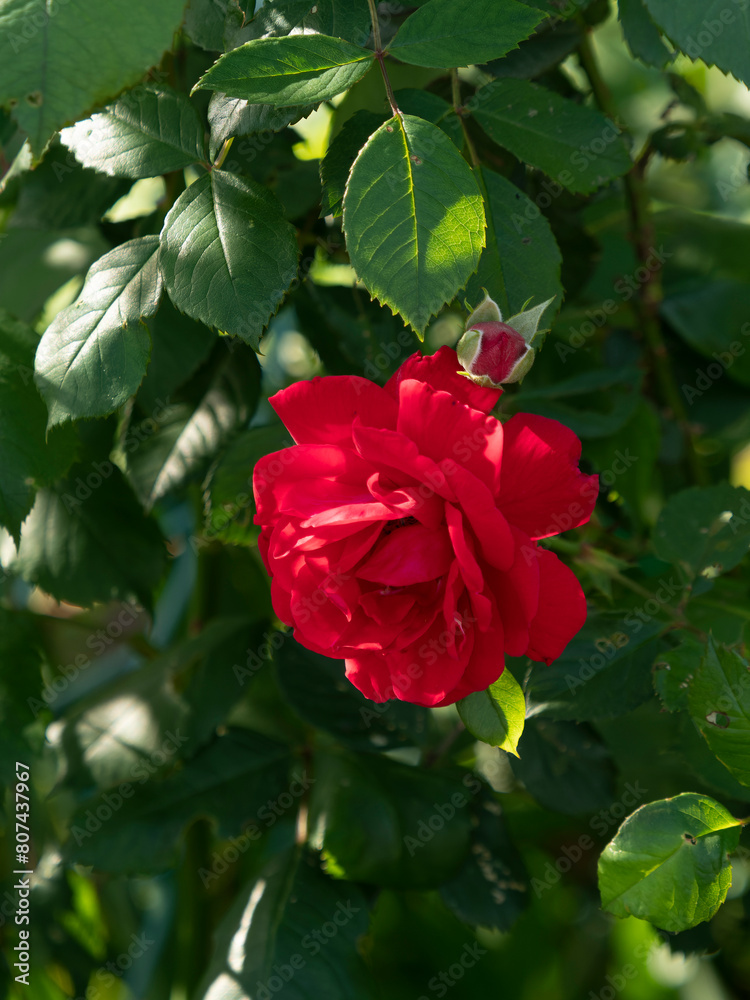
(641,34)
(275,924)
(230,507)
(347,19)
(317,689)
(413,218)
(70,550)
(229,781)
(705,530)
(447,35)
(424,104)
(383,822)
(719,704)
(94,354)
(178,346)
(341,154)
(605,671)
(27,459)
(565,767)
(552,42)
(300,69)
(148,131)
(59,60)
(575,145)
(188,436)
(204,23)
(668,862)
(712,318)
(231,116)
(227,255)
(675,670)
(497,715)
(491,890)
(522,259)
(714,31)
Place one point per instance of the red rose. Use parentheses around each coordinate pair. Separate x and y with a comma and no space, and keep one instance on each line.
(400,530)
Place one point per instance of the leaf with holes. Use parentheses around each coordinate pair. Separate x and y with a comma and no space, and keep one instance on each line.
(446,35)
(719,705)
(575,145)
(298,69)
(674,671)
(706,530)
(148,131)
(94,354)
(227,254)
(59,59)
(497,715)
(668,862)
(413,218)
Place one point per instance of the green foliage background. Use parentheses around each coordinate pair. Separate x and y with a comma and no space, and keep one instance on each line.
(200,206)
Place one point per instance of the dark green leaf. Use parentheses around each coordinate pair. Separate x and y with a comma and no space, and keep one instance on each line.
(705,530)
(491,890)
(54,65)
(605,671)
(564,767)
(347,19)
(27,459)
(93,355)
(316,687)
(69,548)
(231,116)
(228,781)
(719,703)
(675,670)
(204,23)
(446,35)
(641,34)
(299,69)
(715,32)
(575,145)
(413,218)
(548,46)
(496,716)
(277,924)
(188,436)
(341,154)
(668,862)
(146,132)
(521,260)
(380,821)
(424,104)
(227,255)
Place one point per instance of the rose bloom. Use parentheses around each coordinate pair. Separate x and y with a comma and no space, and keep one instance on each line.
(400,531)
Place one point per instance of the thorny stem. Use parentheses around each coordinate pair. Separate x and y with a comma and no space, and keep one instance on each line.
(379,56)
(460,112)
(649,295)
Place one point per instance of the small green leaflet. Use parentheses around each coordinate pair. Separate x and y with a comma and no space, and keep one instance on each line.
(227,254)
(446,35)
(93,355)
(497,715)
(78,53)
(575,145)
(146,132)
(414,218)
(641,34)
(714,30)
(298,69)
(668,862)
(719,705)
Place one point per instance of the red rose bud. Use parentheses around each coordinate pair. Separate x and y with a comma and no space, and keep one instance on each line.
(494,353)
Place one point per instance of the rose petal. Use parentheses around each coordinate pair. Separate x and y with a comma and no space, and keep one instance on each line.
(542,490)
(322,410)
(409,554)
(441,371)
(484,666)
(516,594)
(562,609)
